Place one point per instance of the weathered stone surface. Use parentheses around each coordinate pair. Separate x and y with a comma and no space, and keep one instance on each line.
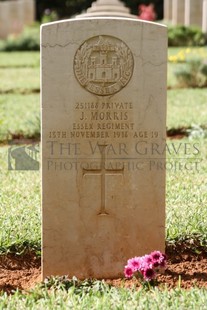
(103,144)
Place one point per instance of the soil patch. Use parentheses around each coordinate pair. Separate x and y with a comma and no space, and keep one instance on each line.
(19,272)
(185,268)
(20,91)
(177,133)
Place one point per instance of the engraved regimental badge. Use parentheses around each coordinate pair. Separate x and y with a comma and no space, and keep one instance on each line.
(103,65)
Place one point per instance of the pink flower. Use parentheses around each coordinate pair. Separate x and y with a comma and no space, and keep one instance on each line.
(149,274)
(148,259)
(146,12)
(156,265)
(156,256)
(134,263)
(128,271)
(145,267)
(159,259)
(142,7)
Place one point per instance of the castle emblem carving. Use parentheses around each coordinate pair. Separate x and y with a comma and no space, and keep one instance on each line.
(103,65)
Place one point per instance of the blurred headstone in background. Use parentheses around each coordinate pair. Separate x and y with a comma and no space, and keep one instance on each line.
(193,12)
(178,12)
(186,12)
(204,24)
(14,15)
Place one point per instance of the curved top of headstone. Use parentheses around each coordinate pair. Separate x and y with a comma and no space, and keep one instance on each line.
(112,8)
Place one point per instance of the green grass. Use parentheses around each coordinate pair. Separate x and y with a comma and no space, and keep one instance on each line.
(171,78)
(186,107)
(186,197)
(20,115)
(19,207)
(19,59)
(21,80)
(107,298)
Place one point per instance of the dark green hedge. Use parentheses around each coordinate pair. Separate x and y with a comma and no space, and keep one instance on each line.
(185,36)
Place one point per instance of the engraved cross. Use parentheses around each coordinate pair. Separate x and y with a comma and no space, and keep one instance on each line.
(103,172)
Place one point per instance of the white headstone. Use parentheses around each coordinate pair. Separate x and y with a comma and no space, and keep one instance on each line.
(178,12)
(193,12)
(28,11)
(168,10)
(16,17)
(4,19)
(103,144)
(204,23)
